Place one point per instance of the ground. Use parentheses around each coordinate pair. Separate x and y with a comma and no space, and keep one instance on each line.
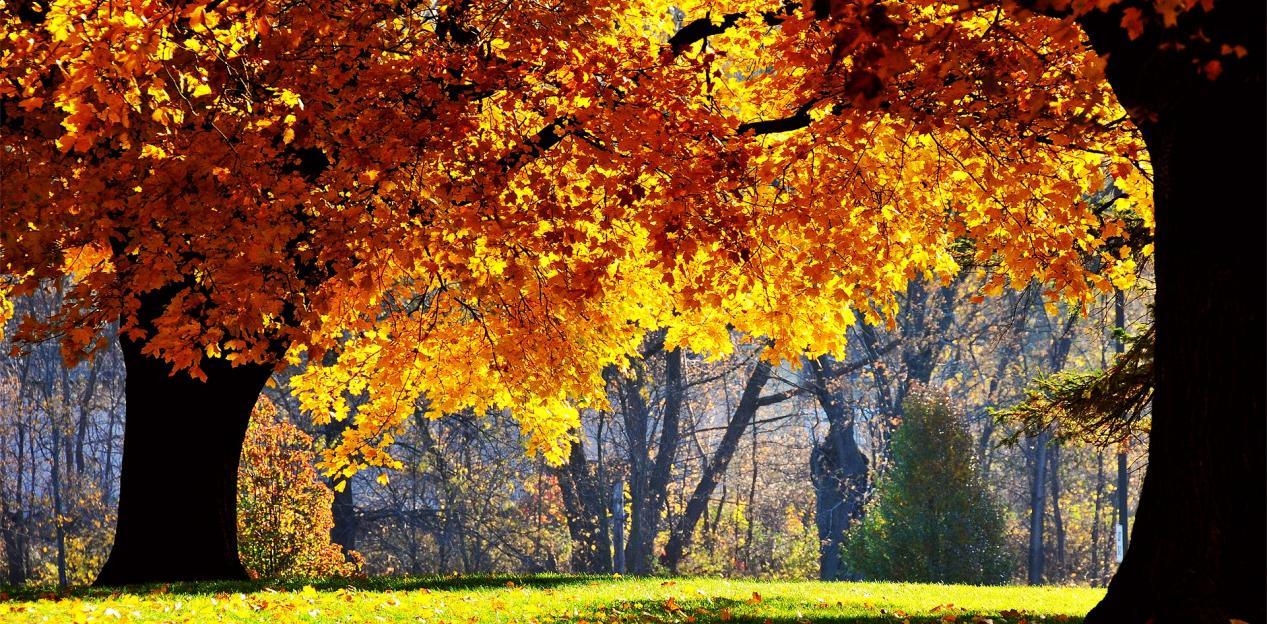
(553,599)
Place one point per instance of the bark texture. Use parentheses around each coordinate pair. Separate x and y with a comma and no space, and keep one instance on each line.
(1197,549)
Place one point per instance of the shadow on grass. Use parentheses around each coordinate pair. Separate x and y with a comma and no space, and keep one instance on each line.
(786,611)
(452,582)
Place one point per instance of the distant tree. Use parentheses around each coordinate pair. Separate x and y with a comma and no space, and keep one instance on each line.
(285,516)
(932,519)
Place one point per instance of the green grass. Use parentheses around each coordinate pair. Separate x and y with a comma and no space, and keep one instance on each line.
(553,599)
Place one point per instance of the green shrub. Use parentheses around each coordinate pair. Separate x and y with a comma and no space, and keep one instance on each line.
(931,518)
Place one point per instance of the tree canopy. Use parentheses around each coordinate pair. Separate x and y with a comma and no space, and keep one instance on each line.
(482,204)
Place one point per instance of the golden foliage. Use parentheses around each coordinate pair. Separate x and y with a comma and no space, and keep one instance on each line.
(284,514)
(481,205)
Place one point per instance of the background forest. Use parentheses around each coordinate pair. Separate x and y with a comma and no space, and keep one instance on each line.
(624,226)
(701,466)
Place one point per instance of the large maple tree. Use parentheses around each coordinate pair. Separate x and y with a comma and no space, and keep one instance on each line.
(482,204)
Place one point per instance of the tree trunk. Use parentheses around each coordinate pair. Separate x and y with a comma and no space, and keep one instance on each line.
(838,470)
(618,527)
(923,339)
(656,487)
(85,408)
(1122,497)
(1196,552)
(11,537)
(178,484)
(1095,575)
(648,479)
(13,527)
(744,414)
(1037,508)
(583,507)
(1057,516)
(749,564)
(107,474)
(343,512)
(637,418)
(1057,354)
(343,505)
(59,527)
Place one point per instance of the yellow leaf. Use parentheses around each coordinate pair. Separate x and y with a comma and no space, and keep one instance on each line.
(290,98)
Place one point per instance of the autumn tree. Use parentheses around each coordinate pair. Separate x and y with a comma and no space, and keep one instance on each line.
(492,203)
(218,284)
(1193,81)
(284,510)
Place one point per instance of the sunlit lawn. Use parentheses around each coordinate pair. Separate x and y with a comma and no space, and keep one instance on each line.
(549,599)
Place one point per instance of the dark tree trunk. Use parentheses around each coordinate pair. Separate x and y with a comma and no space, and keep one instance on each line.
(1037,509)
(1096,550)
(1057,516)
(13,528)
(1197,549)
(343,505)
(178,484)
(683,531)
(637,418)
(1121,499)
(1122,496)
(649,479)
(888,394)
(751,566)
(839,473)
(618,526)
(343,512)
(583,507)
(11,537)
(1057,354)
(923,339)
(59,526)
(85,407)
(924,323)
(638,557)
